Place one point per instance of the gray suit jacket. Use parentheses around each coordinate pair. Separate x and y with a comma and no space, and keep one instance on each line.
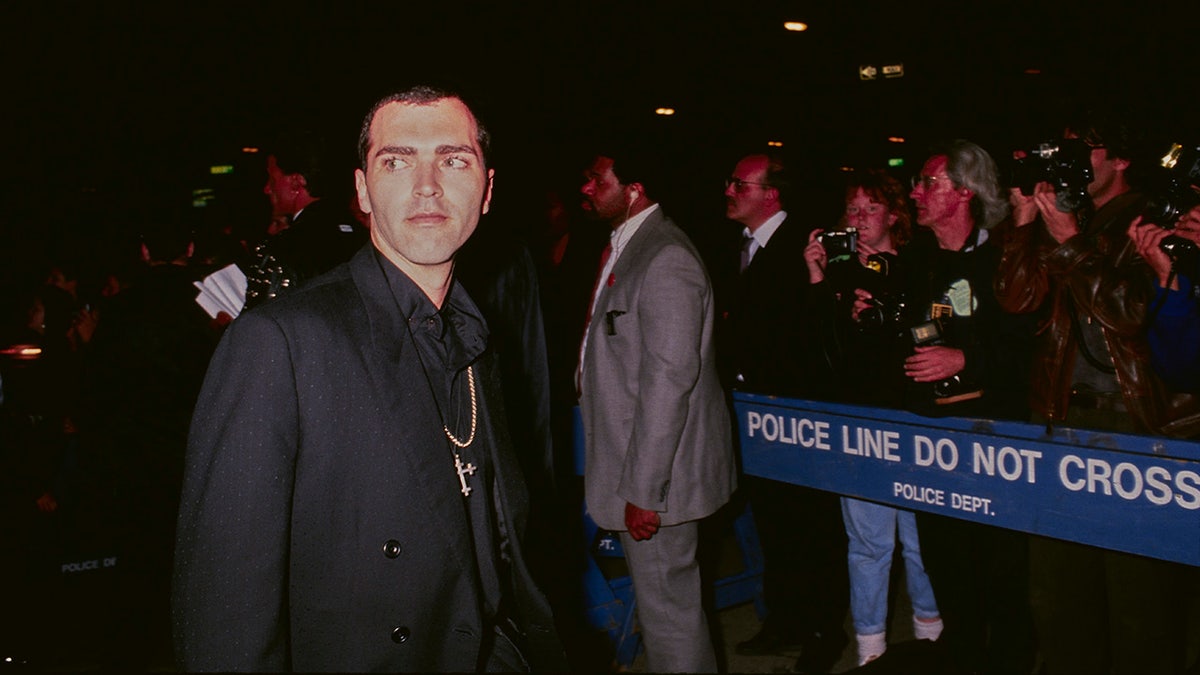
(656,423)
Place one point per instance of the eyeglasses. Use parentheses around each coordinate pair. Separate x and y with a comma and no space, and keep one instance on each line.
(926,182)
(739,185)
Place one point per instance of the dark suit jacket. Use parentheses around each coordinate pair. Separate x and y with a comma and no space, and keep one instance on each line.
(771,338)
(322,525)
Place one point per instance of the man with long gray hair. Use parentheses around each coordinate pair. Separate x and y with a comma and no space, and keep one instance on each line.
(963,355)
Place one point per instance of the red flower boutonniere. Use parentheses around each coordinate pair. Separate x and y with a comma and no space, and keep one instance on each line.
(612,279)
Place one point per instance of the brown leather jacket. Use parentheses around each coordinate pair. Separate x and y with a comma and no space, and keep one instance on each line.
(1098,275)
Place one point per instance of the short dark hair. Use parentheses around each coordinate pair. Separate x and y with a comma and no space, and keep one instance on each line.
(420,95)
(301,151)
(1111,127)
(631,164)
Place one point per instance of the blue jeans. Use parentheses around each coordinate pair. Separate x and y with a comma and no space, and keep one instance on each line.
(872,531)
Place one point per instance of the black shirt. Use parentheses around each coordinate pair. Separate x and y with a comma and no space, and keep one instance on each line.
(448,342)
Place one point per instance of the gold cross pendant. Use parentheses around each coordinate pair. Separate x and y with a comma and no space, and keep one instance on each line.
(463,471)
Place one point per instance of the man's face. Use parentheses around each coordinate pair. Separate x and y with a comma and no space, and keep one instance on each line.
(748,200)
(281,188)
(935,196)
(425,184)
(604,197)
(1106,172)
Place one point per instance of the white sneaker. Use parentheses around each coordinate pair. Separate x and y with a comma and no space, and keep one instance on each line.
(924,629)
(871,647)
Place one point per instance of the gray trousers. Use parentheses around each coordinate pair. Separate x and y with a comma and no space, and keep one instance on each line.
(666,585)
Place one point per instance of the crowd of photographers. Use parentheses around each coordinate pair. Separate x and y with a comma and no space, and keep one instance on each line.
(1069,300)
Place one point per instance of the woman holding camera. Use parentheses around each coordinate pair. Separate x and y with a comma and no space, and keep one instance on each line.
(862,254)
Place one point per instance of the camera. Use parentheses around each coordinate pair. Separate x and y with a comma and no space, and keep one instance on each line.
(957,387)
(839,243)
(1178,171)
(886,309)
(887,306)
(1065,164)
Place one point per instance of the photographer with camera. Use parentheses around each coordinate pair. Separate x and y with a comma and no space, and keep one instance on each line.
(1075,268)
(1167,237)
(862,253)
(964,356)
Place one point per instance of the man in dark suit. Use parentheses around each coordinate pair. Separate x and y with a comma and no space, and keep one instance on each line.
(308,196)
(659,457)
(771,350)
(351,500)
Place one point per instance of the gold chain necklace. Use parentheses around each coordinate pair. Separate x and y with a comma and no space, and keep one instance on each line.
(474,415)
(467,469)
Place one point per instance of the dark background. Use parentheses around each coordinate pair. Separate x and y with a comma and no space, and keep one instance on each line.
(115,111)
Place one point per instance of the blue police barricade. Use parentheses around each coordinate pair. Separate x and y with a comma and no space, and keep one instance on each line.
(1137,494)
(608,590)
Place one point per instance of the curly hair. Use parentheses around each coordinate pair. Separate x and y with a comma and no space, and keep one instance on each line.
(882,188)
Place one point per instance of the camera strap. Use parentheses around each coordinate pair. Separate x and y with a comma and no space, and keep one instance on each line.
(1082,342)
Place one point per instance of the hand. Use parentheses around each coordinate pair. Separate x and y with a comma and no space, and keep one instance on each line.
(814,257)
(865,251)
(862,300)
(934,364)
(84,325)
(1189,225)
(1061,226)
(47,503)
(1146,238)
(1024,208)
(642,524)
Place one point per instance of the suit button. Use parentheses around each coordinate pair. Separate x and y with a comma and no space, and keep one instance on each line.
(400,634)
(391,548)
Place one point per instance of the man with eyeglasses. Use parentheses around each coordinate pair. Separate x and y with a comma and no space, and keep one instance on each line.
(1096,610)
(768,348)
(962,355)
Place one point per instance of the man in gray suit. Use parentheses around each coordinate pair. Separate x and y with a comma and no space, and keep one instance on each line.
(659,454)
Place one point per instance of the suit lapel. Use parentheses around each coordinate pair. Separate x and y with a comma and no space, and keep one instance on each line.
(627,261)
(409,415)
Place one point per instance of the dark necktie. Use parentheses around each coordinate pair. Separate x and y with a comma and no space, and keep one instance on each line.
(747,242)
(596,286)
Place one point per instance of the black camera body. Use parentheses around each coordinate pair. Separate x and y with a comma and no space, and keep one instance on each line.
(1065,164)
(888,305)
(839,243)
(1173,196)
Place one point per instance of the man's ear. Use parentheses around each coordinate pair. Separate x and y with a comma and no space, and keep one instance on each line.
(360,187)
(297,181)
(487,194)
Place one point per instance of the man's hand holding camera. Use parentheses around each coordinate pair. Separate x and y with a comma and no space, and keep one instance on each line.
(1062,226)
(934,363)
(1148,240)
